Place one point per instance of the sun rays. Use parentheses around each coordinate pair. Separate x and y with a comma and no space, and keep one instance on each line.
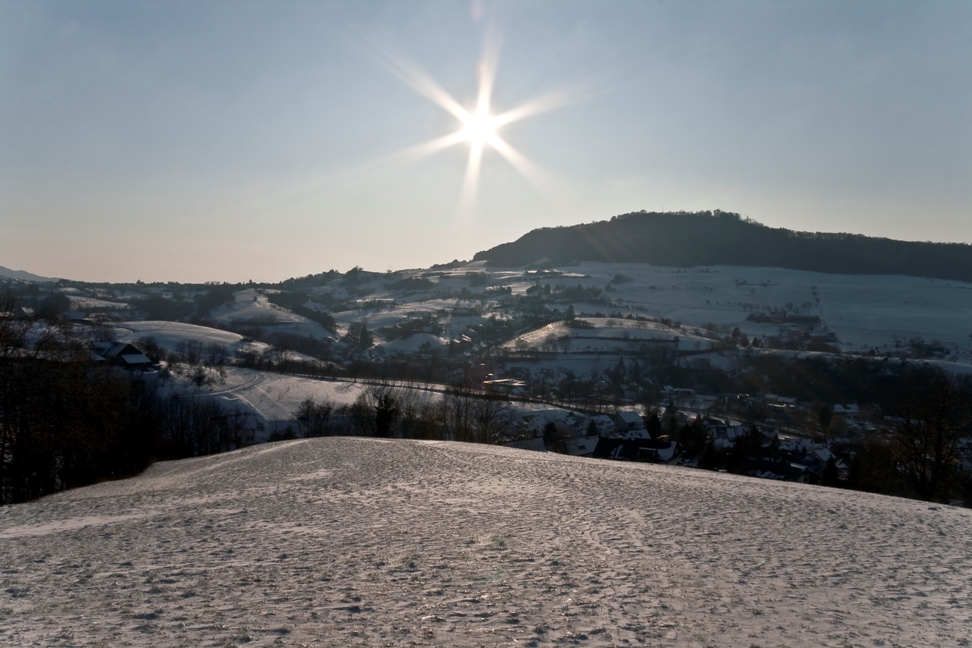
(478,126)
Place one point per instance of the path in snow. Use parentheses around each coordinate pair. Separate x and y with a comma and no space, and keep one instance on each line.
(354,542)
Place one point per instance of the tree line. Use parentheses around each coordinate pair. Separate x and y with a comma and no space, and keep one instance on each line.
(683,239)
(67,419)
(386,411)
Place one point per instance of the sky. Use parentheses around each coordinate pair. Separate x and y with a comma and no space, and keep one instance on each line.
(236,141)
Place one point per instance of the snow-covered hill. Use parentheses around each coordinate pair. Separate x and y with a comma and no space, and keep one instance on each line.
(22,275)
(169,335)
(354,542)
(272,398)
(252,307)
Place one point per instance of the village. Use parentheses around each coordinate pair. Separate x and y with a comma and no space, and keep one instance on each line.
(684,434)
(712,368)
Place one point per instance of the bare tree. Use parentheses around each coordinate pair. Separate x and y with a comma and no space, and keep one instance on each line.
(361,416)
(386,411)
(190,351)
(492,418)
(411,411)
(926,445)
(458,412)
(314,419)
(215,354)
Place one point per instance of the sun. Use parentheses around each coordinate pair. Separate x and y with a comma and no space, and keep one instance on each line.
(479,126)
(479,129)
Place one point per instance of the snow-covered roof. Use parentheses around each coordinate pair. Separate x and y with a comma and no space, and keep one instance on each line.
(629,417)
(824,454)
(583,446)
(666,454)
(849,409)
(135,359)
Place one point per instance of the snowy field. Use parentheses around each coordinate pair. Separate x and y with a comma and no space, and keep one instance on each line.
(252,307)
(87,303)
(354,542)
(169,335)
(273,398)
(863,310)
(607,335)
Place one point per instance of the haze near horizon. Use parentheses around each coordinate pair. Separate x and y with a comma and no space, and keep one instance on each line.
(235,141)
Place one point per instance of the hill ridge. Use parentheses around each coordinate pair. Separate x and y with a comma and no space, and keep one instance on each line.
(706,238)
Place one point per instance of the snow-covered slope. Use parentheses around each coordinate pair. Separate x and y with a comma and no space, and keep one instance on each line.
(274,398)
(604,335)
(252,307)
(863,310)
(169,335)
(353,542)
(22,275)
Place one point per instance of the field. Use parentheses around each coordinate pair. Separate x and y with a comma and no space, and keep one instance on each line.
(355,542)
(863,312)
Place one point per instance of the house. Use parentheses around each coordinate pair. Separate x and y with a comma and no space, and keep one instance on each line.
(504,386)
(604,424)
(849,411)
(532,424)
(629,419)
(633,391)
(781,470)
(661,451)
(676,392)
(583,447)
(716,429)
(122,354)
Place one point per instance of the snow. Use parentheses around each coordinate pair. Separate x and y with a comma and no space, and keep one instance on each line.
(355,542)
(412,343)
(863,310)
(86,303)
(168,335)
(607,335)
(251,306)
(273,398)
(857,313)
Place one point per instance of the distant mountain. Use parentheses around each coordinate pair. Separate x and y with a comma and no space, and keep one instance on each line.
(683,239)
(22,275)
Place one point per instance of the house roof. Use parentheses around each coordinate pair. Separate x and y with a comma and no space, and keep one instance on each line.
(117,349)
(135,359)
(666,454)
(850,408)
(630,448)
(630,416)
(584,446)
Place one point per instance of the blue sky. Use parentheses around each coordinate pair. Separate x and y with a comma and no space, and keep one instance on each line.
(228,141)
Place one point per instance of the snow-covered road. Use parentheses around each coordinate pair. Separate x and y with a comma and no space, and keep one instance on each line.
(354,542)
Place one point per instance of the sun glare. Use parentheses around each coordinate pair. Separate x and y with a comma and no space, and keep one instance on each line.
(479,129)
(478,126)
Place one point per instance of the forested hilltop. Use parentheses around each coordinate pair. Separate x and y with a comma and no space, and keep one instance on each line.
(683,239)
